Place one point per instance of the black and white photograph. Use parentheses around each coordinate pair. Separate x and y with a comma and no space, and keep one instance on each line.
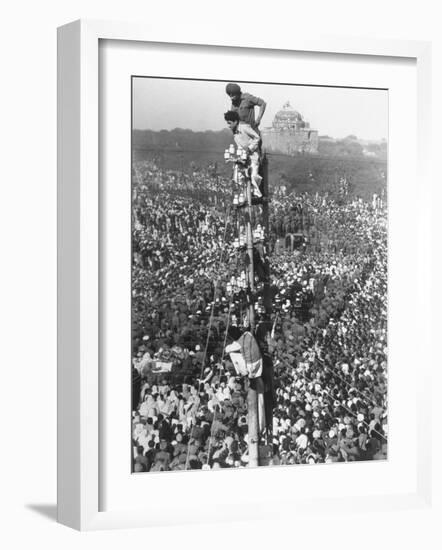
(259,274)
(222,256)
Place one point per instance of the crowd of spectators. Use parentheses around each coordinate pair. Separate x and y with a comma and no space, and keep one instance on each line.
(330,340)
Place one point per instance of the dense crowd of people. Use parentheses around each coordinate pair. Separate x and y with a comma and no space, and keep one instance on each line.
(329,344)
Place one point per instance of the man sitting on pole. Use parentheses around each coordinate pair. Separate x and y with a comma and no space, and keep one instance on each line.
(246,138)
(244,353)
(247,359)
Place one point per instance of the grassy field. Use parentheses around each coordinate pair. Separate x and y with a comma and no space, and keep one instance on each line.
(185,151)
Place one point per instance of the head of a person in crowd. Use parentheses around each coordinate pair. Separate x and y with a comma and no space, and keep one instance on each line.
(232,120)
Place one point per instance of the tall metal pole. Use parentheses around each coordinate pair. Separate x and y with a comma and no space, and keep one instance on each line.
(252,395)
(266,225)
(268,308)
(260,393)
(249,238)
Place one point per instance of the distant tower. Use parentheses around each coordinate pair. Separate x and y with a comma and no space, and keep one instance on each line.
(290,133)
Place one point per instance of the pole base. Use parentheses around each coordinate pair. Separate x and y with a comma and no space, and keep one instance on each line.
(265,455)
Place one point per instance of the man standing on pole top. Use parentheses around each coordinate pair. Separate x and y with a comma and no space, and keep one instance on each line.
(244,104)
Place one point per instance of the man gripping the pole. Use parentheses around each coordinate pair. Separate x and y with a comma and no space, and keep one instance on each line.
(244,104)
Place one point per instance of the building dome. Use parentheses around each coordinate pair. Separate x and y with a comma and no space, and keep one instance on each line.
(288,118)
(290,133)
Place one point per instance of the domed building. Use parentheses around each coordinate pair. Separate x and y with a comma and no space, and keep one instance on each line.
(290,133)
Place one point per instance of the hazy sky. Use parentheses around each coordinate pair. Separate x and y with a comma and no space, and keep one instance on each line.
(165,104)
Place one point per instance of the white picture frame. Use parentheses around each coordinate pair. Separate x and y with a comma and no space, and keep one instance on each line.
(79,293)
